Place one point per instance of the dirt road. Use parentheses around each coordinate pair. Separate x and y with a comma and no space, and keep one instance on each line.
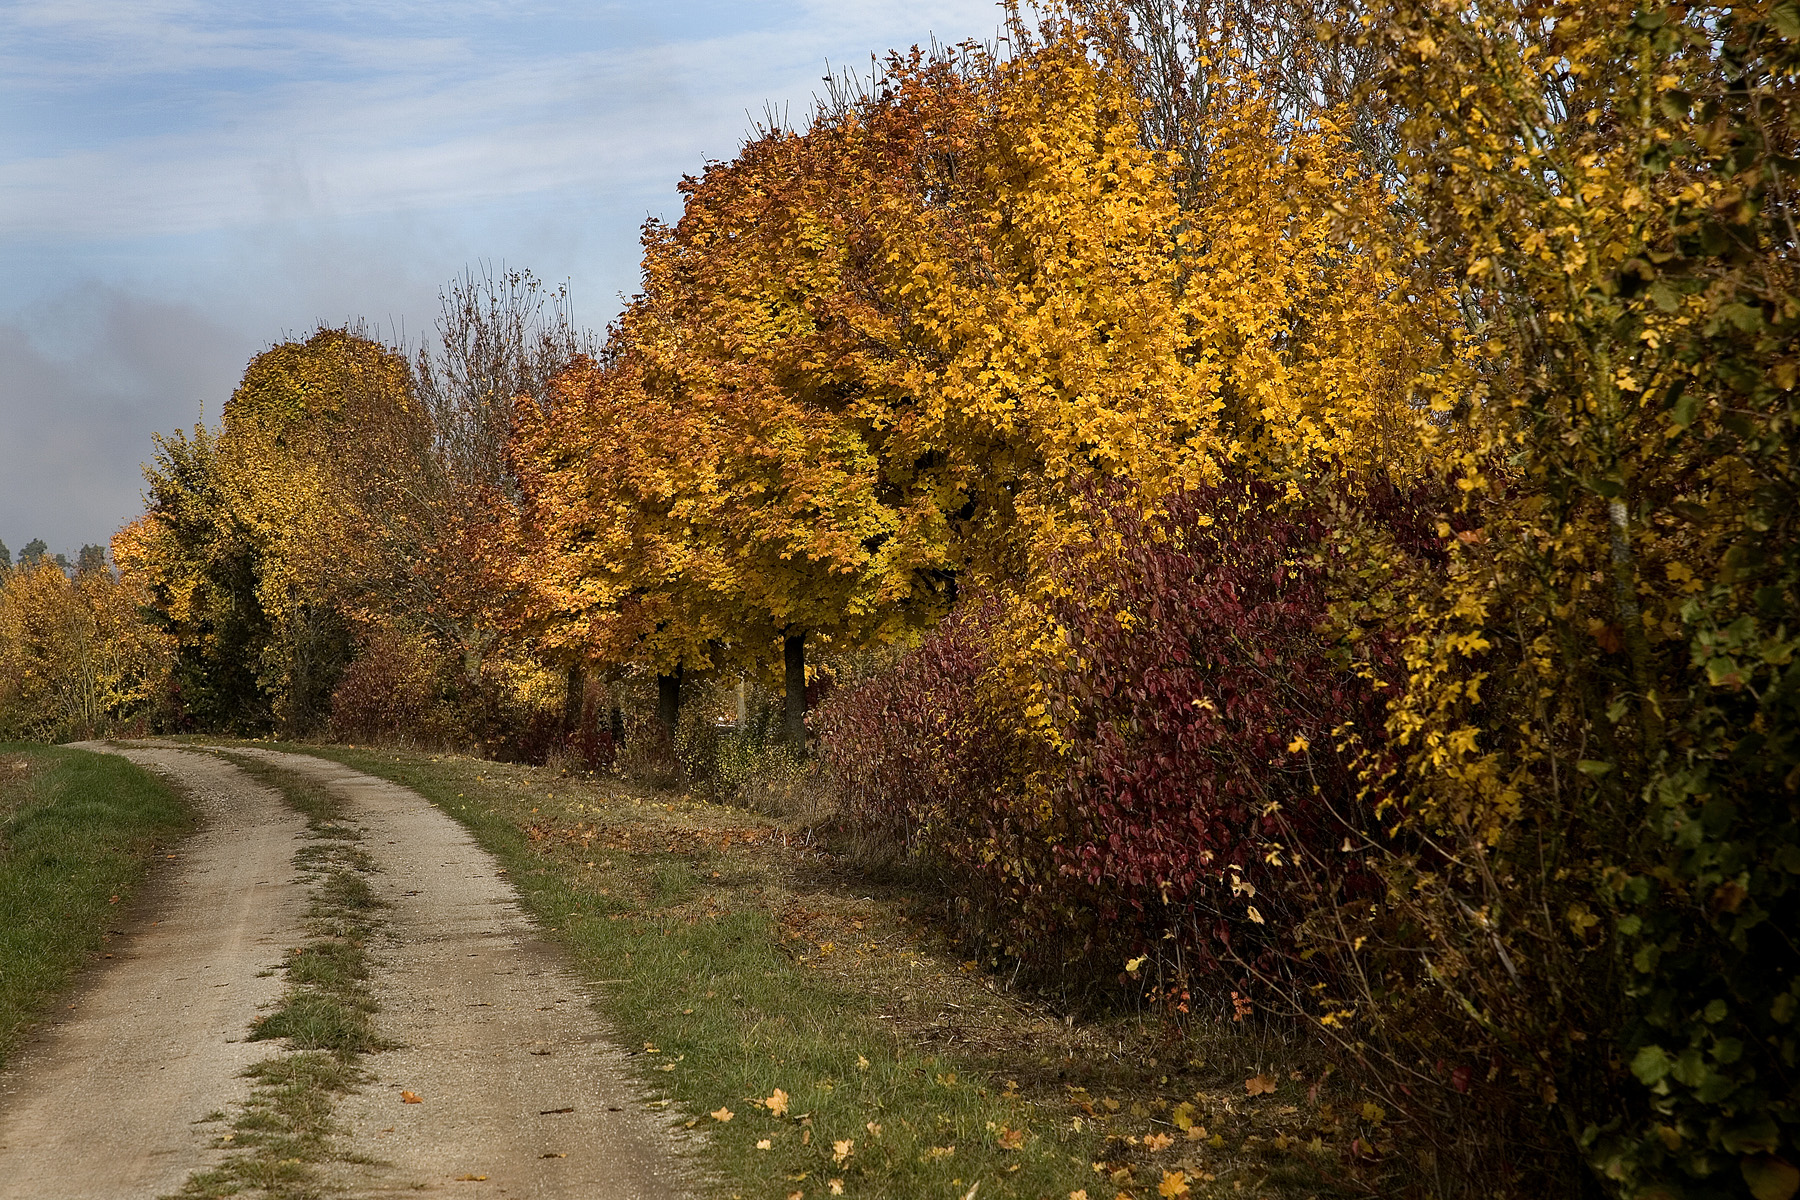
(522,1094)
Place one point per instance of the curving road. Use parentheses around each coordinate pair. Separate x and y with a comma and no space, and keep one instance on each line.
(519,1081)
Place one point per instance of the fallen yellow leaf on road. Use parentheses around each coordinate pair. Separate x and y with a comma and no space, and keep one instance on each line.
(470,1178)
(411,1098)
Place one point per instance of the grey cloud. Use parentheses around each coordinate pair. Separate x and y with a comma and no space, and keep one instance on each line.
(79,402)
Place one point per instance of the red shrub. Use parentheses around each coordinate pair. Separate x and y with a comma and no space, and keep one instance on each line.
(908,747)
(1199,711)
(544,736)
(391,691)
(1206,715)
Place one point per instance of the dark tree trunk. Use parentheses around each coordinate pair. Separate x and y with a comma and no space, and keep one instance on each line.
(572,701)
(668,703)
(616,726)
(793,717)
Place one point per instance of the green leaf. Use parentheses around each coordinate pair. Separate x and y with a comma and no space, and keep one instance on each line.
(1743,317)
(1754,1136)
(1675,106)
(1690,1069)
(1593,767)
(1722,672)
(1686,409)
(1651,1065)
(1786,19)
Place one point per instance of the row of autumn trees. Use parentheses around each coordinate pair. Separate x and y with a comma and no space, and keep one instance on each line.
(1325,484)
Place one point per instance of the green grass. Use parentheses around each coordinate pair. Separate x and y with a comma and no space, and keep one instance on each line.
(285,1130)
(78,831)
(725,1012)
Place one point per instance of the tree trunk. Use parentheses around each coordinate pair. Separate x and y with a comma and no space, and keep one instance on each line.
(572,700)
(668,703)
(793,717)
(616,726)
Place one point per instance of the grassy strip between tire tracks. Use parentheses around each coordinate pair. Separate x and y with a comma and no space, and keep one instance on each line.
(728,1017)
(281,1135)
(78,831)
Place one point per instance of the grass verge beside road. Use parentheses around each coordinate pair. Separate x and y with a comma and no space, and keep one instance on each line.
(807,1022)
(78,831)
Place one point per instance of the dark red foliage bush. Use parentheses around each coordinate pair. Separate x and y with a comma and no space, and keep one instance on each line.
(908,747)
(1205,711)
(544,736)
(391,691)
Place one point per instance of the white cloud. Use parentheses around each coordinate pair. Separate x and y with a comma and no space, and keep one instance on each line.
(273,124)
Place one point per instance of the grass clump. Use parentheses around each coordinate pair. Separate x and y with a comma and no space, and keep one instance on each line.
(77,833)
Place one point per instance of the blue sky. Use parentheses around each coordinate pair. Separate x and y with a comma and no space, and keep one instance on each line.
(184,182)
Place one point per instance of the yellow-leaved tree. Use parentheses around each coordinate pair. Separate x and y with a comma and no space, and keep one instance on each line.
(263,542)
(75,660)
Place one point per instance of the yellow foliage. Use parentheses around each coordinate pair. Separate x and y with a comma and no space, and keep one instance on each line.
(75,661)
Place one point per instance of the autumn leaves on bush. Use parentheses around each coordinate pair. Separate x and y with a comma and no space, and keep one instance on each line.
(1317,526)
